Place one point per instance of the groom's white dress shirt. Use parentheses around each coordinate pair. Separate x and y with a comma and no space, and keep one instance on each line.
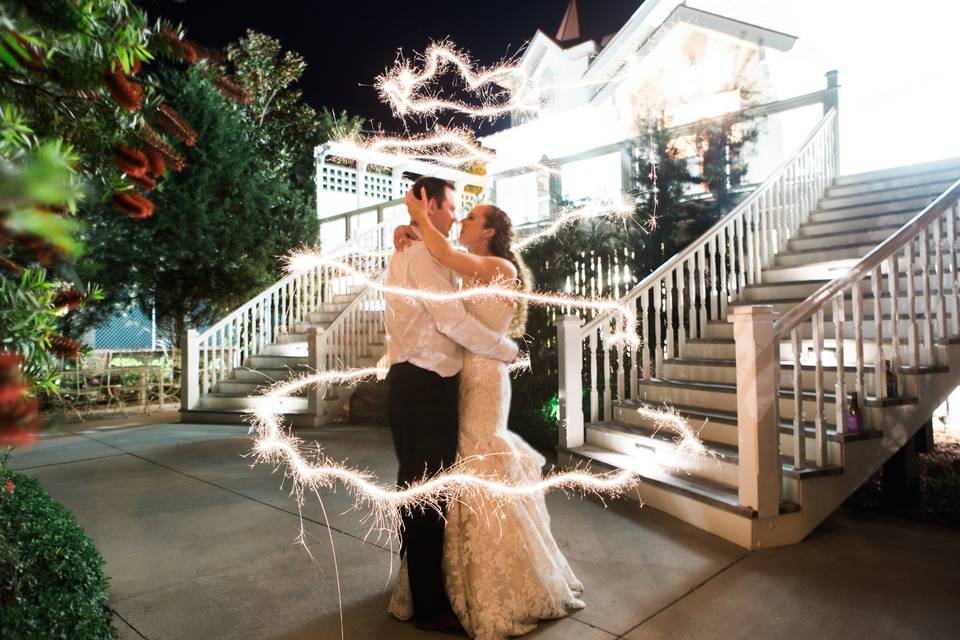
(430,334)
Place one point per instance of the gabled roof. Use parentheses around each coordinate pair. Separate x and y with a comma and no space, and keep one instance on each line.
(624,44)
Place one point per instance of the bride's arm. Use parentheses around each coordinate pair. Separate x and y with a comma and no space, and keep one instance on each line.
(485,268)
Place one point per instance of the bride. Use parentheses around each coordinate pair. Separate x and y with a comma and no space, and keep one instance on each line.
(503,570)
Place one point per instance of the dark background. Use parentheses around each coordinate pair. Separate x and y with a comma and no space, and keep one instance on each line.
(348,43)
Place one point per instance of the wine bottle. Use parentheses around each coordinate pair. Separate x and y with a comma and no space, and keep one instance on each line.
(891,380)
(854,415)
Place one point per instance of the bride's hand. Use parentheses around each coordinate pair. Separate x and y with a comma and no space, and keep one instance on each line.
(417,207)
(404,236)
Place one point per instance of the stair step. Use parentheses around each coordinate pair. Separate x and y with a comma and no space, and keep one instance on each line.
(855,222)
(893,182)
(906,208)
(875,235)
(701,491)
(915,170)
(926,189)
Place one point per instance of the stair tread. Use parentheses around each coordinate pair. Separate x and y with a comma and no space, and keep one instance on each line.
(930,184)
(715,494)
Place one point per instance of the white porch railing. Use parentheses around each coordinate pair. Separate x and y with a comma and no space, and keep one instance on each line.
(916,258)
(211,356)
(675,302)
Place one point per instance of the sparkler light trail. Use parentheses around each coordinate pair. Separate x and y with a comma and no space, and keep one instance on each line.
(451,147)
(621,210)
(402,86)
(276,446)
(305,261)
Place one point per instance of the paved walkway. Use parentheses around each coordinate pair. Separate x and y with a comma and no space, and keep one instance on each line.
(200,545)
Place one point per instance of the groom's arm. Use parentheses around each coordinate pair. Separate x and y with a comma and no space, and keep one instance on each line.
(449,316)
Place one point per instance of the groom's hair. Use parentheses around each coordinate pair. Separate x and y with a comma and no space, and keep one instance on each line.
(436,188)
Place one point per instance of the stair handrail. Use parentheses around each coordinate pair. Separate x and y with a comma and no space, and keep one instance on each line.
(211,355)
(702,279)
(736,214)
(893,259)
(819,298)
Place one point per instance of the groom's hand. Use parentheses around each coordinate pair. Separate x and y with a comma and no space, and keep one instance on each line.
(404,236)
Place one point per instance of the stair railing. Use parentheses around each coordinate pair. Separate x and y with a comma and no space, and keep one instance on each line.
(908,283)
(675,303)
(212,355)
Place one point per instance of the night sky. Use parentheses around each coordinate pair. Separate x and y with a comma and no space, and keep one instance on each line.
(347,43)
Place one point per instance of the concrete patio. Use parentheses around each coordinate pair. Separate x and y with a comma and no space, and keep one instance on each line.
(200,545)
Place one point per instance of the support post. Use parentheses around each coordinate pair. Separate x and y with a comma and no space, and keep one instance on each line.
(758,437)
(316,362)
(832,101)
(570,364)
(189,370)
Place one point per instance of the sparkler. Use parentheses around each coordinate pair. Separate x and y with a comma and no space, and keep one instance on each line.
(621,210)
(305,261)
(402,86)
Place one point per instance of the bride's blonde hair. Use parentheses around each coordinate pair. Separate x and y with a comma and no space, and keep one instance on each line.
(501,245)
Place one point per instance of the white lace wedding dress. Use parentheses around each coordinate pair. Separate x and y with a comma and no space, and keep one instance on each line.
(503,571)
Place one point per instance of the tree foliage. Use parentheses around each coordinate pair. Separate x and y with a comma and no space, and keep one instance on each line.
(224,226)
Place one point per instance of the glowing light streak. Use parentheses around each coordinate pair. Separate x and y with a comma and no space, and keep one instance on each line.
(621,211)
(306,261)
(401,86)
(276,446)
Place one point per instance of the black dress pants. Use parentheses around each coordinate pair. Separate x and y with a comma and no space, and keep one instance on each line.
(422,407)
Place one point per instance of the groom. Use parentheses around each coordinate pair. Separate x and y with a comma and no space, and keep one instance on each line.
(425,342)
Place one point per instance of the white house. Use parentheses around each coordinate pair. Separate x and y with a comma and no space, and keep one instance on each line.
(670,58)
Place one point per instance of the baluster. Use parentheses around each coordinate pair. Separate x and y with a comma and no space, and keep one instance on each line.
(764,220)
(820,420)
(658,346)
(702,262)
(954,280)
(858,337)
(747,223)
(645,331)
(941,297)
(621,355)
(929,350)
(681,301)
(275,318)
(799,430)
(741,265)
(714,289)
(894,286)
(724,294)
(913,333)
(757,240)
(691,302)
(606,375)
(635,356)
(668,292)
(205,368)
(839,316)
(594,397)
(879,373)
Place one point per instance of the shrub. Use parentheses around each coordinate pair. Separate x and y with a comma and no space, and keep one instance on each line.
(51,575)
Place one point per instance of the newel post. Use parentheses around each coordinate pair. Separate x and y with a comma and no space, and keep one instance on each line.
(832,101)
(189,370)
(570,364)
(316,363)
(758,434)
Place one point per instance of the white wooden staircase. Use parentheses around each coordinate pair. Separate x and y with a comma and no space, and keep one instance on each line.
(758,333)
(307,322)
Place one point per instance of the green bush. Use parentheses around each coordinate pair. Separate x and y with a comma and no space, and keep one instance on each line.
(51,575)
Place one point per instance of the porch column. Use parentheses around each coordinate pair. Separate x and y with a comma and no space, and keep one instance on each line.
(758,434)
(361,179)
(315,362)
(832,101)
(570,363)
(320,155)
(189,370)
(398,190)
